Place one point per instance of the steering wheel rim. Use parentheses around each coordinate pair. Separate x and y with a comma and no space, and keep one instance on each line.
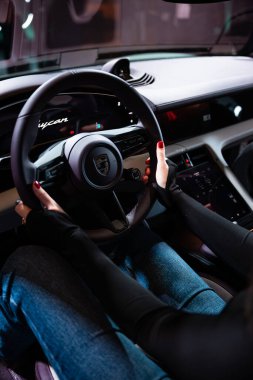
(25,132)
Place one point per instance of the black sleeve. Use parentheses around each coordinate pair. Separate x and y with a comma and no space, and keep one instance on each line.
(231,242)
(190,347)
(106,280)
(197,347)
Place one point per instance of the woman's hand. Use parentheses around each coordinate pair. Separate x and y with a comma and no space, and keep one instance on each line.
(162,169)
(50,226)
(165,176)
(46,201)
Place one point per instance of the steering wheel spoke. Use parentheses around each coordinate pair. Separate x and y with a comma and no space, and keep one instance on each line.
(51,173)
(51,165)
(120,221)
(110,213)
(130,140)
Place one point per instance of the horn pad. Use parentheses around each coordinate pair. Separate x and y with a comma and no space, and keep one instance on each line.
(95,162)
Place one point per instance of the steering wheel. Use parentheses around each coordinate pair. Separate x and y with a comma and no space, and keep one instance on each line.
(94,160)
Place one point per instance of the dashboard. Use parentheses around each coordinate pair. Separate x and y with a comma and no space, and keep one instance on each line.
(204,109)
(203,117)
(64,116)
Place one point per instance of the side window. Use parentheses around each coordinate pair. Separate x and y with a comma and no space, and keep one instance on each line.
(6,28)
(80,22)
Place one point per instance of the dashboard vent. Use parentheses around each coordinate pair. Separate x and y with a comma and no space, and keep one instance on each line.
(121,68)
(144,80)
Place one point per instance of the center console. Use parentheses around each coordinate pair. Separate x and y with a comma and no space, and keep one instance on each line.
(201,178)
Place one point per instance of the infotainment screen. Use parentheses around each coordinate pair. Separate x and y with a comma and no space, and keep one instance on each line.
(185,122)
(205,182)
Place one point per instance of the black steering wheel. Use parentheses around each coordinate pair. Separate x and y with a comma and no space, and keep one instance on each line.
(94,160)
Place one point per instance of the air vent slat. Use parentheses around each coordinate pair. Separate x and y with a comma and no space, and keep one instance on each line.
(121,68)
(139,80)
(144,80)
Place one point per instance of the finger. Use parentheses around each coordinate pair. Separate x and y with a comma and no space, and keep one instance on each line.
(147,162)
(145,179)
(162,169)
(22,210)
(147,171)
(45,199)
(160,152)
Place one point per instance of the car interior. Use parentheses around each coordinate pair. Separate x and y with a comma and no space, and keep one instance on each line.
(68,100)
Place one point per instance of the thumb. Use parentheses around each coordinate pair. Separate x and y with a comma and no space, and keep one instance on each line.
(160,153)
(162,169)
(45,199)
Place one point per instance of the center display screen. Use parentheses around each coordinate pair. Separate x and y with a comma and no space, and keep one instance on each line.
(204,181)
(185,122)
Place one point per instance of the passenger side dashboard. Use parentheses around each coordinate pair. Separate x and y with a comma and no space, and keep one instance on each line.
(198,137)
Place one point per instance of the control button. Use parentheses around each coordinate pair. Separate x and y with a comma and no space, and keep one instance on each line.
(54,171)
(187,161)
(133,174)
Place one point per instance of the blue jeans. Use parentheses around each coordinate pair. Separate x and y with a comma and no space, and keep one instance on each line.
(156,266)
(43,298)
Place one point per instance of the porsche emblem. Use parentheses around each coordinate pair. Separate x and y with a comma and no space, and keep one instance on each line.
(102,164)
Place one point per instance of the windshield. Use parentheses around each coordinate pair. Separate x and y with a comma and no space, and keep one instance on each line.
(41,35)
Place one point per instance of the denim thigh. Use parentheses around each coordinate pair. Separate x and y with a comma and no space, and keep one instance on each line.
(44,299)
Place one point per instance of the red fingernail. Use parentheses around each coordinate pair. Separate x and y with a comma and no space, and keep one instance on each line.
(37,184)
(160,144)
